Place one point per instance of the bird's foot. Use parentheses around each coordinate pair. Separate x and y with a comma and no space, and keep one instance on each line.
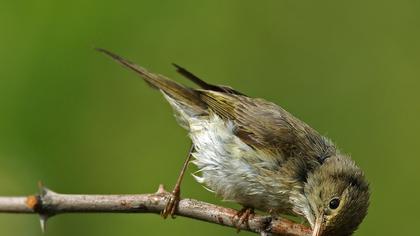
(243,216)
(174,197)
(171,205)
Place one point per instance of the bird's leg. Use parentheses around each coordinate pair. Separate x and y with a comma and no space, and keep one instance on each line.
(244,215)
(174,198)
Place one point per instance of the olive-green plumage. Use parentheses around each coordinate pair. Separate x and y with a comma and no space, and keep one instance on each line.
(254,152)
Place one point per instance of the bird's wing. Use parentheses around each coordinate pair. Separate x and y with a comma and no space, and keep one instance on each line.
(265,126)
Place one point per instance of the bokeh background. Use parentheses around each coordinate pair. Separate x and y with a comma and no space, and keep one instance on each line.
(76,120)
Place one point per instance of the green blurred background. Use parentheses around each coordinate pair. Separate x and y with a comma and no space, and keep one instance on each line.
(76,120)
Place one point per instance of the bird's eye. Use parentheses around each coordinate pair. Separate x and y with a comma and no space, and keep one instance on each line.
(334,203)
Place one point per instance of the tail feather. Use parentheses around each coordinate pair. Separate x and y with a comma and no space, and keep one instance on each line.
(187,74)
(203,84)
(185,96)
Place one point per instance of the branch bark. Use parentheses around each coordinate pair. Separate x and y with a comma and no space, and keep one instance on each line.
(49,203)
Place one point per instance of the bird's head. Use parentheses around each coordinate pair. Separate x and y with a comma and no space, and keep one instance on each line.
(337,196)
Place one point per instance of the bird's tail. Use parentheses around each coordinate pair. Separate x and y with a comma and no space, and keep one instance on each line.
(183,99)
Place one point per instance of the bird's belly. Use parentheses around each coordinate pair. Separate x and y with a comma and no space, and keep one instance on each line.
(235,171)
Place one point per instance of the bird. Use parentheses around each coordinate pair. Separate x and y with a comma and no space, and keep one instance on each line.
(255,153)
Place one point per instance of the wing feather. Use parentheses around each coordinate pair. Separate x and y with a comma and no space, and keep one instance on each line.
(265,126)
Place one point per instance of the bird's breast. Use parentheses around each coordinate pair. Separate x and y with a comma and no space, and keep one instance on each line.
(234,170)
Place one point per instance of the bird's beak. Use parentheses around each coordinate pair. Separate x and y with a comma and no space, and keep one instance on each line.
(319,225)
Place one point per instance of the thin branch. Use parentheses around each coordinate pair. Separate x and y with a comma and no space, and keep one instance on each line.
(49,203)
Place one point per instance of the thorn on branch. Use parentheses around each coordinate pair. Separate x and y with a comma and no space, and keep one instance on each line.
(161,189)
(35,202)
(43,222)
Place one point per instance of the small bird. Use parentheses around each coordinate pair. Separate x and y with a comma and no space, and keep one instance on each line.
(255,153)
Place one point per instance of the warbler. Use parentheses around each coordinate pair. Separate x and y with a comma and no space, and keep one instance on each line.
(255,153)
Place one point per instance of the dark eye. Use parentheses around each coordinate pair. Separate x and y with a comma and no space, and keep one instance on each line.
(334,203)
